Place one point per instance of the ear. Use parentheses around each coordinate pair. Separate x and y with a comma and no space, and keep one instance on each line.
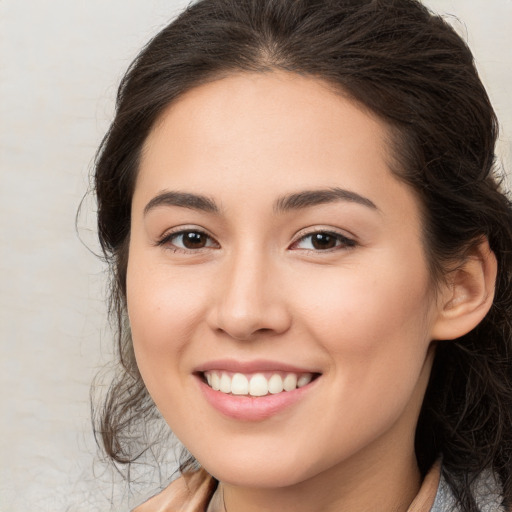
(468,294)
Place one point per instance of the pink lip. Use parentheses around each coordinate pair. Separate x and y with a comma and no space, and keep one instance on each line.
(260,365)
(246,408)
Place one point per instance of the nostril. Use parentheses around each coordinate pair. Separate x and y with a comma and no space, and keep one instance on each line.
(248,335)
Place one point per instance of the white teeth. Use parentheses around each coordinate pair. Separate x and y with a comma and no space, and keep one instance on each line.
(225,383)
(239,384)
(275,384)
(290,382)
(303,380)
(215,381)
(256,384)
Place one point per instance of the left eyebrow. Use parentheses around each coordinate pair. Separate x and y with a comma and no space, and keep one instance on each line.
(183,200)
(308,198)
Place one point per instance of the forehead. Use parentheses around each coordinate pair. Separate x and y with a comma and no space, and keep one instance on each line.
(271,100)
(267,134)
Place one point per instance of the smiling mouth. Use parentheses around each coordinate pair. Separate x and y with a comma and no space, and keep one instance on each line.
(256,384)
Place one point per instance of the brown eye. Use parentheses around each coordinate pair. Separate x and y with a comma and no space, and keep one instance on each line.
(324,241)
(188,241)
(194,240)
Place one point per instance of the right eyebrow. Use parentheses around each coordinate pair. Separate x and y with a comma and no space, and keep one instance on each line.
(183,200)
(308,198)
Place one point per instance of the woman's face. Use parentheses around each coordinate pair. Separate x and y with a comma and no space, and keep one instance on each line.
(271,246)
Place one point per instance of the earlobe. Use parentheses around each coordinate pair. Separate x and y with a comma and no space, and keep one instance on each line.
(468,294)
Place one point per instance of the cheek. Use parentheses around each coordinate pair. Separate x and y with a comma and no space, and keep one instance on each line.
(374,319)
(163,313)
(164,310)
(162,305)
(373,328)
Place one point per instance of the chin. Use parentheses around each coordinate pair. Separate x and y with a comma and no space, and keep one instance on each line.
(259,469)
(262,477)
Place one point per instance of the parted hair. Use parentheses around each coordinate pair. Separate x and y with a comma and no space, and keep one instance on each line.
(410,68)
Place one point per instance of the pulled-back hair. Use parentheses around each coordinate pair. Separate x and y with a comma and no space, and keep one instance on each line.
(410,68)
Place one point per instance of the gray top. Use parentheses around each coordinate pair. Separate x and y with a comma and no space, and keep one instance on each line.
(486,490)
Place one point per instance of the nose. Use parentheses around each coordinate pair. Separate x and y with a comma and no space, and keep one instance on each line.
(249,301)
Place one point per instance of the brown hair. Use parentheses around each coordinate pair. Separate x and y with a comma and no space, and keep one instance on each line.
(409,67)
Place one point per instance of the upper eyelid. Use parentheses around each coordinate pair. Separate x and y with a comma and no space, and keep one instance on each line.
(184,229)
(167,235)
(350,241)
(303,233)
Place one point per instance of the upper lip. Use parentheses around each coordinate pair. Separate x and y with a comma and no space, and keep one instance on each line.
(254,366)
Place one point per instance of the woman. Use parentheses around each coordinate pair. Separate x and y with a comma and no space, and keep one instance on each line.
(311,261)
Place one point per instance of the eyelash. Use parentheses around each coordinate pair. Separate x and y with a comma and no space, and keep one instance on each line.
(166,240)
(341,242)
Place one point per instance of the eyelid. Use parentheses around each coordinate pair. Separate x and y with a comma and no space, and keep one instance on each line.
(167,236)
(347,242)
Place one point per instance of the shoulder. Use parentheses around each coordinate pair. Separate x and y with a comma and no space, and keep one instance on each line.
(189,493)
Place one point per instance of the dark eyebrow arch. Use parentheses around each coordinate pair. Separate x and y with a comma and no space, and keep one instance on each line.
(308,198)
(184,200)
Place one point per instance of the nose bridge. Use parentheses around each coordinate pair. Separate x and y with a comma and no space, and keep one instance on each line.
(249,300)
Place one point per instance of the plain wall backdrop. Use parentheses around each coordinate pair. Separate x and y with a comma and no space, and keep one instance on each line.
(60,63)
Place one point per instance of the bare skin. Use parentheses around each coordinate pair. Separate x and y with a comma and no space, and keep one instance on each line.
(237,261)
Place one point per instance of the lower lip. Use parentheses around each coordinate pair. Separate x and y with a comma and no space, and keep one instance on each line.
(247,408)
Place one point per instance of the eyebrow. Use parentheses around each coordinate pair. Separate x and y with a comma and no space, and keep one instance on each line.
(308,198)
(295,201)
(184,200)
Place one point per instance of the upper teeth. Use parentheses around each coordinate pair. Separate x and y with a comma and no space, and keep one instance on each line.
(256,384)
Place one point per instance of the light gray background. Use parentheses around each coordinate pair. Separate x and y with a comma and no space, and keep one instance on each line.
(61,61)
